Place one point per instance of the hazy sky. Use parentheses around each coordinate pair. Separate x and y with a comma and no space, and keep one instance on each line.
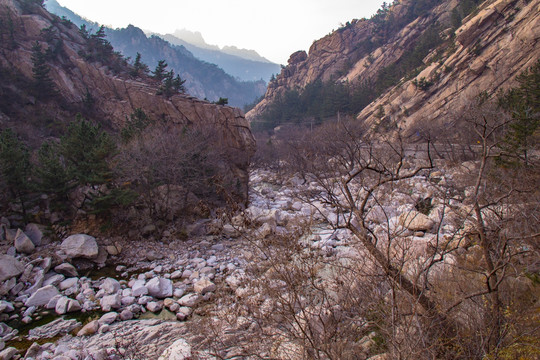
(274,28)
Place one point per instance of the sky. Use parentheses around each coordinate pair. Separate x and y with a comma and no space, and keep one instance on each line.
(273,28)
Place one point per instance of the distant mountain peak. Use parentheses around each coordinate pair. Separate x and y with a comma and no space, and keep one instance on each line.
(244,53)
(194,38)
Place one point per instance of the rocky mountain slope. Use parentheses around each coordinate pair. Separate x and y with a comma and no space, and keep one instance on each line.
(203,78)
(462,53)
(103,91)
(244,64)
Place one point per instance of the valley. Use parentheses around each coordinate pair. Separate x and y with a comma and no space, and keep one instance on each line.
(379,202)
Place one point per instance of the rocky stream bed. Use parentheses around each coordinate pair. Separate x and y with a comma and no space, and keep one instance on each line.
(142,298)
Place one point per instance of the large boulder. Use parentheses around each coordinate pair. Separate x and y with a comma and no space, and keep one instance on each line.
(35,233)
(160,287)
(416,221)
(108,318)
(111,302)
(89,329)
(23,243)
(66,269)
(190,300)
(203,286)
(42,296)
(80,245)
(110,286)
(9,267)
(8,353)
(66,305)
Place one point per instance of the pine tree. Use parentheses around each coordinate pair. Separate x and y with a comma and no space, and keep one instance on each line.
(167,87)
(178,84)
(159,73)
(99,47)
(137,122)
(86,149)
(138,66)
(171,85)
(523,103)
(83,31)
(43,84)
(51,174)
(14,166)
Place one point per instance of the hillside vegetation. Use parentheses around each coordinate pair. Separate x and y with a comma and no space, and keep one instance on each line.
(85,132)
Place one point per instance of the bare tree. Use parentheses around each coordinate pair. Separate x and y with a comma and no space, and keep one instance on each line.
(178,172)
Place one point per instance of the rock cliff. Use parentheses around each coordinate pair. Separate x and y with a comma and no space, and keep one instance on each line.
(484,52)
(99,91)
(492,47)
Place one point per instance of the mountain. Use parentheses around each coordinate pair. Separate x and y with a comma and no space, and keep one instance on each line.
(414,62)
(51,71)
(203,80)
(243,64)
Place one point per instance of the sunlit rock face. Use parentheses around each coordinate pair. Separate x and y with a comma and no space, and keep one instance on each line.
(492,46)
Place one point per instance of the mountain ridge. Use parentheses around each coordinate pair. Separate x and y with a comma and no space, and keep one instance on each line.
(203,80)
(382,60)
(247,69)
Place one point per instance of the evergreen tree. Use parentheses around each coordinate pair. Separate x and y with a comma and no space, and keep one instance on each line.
(178,84)
(523,103)
(171,85)
(137,122)
(85,149)
(14,167)
(83,31)
(99,47)
(81,158)
(222,101)
(43,84)
(99,36)
(52,176)
(138,66)
(159,73)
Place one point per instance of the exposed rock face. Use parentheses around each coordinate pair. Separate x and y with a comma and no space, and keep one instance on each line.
(492,47)
(327,57)
(179,350)
(114,96)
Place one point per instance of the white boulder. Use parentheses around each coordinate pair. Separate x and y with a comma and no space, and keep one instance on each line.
(160,287)
(109,302)
(80,245)
(42,296)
